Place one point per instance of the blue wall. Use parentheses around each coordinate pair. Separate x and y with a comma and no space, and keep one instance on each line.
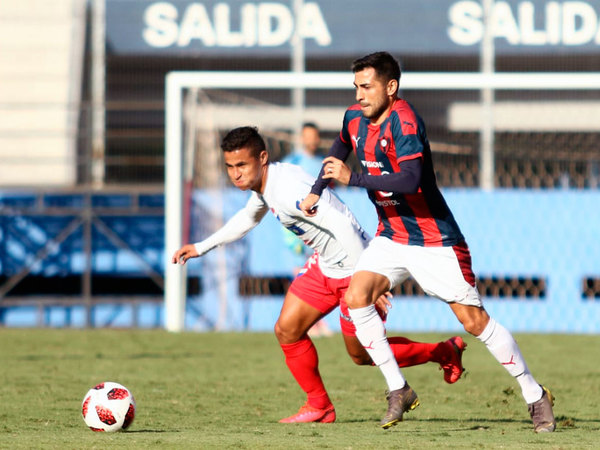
(553,234)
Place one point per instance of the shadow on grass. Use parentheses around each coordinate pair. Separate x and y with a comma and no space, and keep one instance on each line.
(108,356)
(563,422)
(49,357)
(482,422)
(152,431)
(165,355)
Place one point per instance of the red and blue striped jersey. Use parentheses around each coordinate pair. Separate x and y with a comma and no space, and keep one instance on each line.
(422,218)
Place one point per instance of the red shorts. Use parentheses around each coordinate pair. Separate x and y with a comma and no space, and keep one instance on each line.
(324,293)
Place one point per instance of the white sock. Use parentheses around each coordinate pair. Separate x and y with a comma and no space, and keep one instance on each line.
(370,331)
(502,345)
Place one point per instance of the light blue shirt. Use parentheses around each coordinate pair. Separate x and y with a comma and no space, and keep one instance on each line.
(311,164)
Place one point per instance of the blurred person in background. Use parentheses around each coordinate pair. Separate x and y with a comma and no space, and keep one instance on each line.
(306,156)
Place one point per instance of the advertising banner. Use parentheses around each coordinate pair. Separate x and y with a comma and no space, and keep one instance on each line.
(241,28)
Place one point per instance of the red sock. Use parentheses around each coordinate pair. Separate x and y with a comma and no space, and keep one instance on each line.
(411,353)
(302,360)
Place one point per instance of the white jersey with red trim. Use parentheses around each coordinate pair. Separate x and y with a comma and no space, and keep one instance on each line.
(333,233)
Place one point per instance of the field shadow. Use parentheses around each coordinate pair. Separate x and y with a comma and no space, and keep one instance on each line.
(474,424)
(107,356)
(153,431)
(163,355)
(480,422)
(48,357)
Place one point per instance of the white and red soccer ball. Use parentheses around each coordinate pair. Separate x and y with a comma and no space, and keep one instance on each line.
(109,407)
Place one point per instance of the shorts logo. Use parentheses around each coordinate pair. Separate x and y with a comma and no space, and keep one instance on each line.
(312,260)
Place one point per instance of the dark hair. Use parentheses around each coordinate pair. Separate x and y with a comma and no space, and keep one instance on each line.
(386,67)
(310,125)
(244,137)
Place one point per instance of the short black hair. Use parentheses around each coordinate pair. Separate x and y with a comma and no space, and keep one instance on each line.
(244,137)
(385,65)
(310,125)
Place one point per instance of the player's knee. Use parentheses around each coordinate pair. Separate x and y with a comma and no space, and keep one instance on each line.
(277,330)
(287,333)
(470,326)
(356,299)
(474,324)
(281,333)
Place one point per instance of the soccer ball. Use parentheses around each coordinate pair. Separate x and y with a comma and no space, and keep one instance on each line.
(109,407)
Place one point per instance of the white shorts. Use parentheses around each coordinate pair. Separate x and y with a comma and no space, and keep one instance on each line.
(443,272)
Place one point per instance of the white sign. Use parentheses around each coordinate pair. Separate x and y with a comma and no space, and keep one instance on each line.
(266,24)
(569,23)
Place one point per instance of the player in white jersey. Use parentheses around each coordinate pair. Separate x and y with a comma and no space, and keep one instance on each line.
(338,240)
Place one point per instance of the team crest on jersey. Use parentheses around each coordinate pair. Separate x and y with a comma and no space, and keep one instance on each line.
(384,143)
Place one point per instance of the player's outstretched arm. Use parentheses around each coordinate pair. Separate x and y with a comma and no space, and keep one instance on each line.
(235,228)
(184,253)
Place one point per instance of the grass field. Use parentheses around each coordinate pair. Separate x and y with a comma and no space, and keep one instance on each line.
(229,390)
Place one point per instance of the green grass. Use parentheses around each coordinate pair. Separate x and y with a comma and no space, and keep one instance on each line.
(229,390)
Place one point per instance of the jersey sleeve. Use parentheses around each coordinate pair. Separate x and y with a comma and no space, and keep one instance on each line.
(236,227)
(344,133)
(339,150)
(405,181)
(406,134)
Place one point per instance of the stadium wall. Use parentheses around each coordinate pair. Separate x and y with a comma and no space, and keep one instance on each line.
(546,234)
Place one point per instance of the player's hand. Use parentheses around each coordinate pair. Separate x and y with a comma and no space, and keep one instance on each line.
(383,303)
(335,169)
(308,205)
(184,253)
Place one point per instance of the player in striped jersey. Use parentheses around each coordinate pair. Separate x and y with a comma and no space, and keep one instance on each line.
(338,240)
(417,235)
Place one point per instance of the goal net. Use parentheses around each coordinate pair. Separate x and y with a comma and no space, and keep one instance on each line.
(201,107)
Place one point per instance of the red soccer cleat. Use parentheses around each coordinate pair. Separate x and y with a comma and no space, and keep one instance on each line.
(309,414)
(452,364)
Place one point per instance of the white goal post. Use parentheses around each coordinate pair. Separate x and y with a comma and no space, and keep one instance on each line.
(177,82)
